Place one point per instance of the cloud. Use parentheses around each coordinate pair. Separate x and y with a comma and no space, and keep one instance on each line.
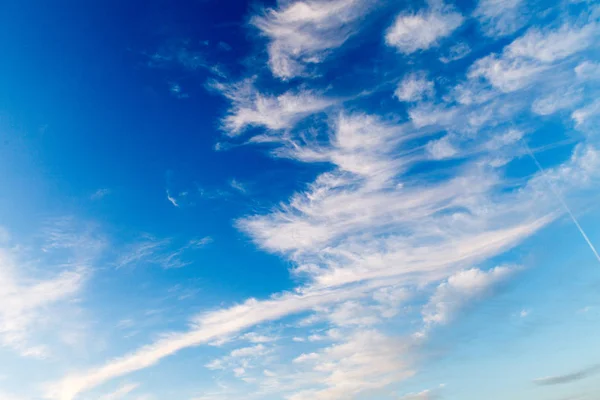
(549,46)
(151,250)
(177,91)
(456,52)
(583,116)
(304,32)
(238,186)
(100,193)
(441,148)
(414,87)
(24,304)
(555,102)
(366,360)
(505,73)
(588,70)
(178,52)
(568,378)
(500,17)
(172,199)
(423,395)
(368,233)
(32,303)
(451,295)
(250,108)
(522,62)
(121,392)
(413,32)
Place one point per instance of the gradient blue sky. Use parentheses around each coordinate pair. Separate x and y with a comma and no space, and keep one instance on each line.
(341,199)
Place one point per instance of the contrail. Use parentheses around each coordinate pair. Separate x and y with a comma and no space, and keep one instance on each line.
(562,201)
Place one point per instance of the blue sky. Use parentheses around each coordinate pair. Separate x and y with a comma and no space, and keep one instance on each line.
(342,199)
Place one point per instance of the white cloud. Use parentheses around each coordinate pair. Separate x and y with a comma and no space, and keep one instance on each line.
(356,231)
(425,114)
(306,357)
(250,108)
(254,337)
(507,138)
(553,45)
(423,395)
(414,87)
(456,52)
(304,32)
(505,73)
(249,351)
(368,233)
(421,31)
(523,61)
(554,102)
(500,17)
(177,91)
(588,70)
(366,360)
(459,289)
(584,115)
(33,299)
(441,148)
(237,185)
(121,392)
(162,252)
(172,199)
(23,305)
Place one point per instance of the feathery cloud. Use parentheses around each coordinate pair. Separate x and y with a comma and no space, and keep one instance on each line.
(567,378)
(250,108)
(413,32)
(500,17)
(304,32)
(414,87)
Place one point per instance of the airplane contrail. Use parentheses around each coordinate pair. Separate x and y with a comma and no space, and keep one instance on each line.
(563,202)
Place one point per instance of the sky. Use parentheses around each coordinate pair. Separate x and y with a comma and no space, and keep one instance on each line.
(299,200)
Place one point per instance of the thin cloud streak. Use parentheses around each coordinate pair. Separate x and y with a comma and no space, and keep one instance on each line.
(563,203)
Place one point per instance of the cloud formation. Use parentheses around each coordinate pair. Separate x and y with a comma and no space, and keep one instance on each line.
(420,31)
(32,304)
(568,378)
(305,32)
(407,205)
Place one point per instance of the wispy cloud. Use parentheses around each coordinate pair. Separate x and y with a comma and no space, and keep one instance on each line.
(456,52)
(304,32)
(178,52)
(423,395)
(568,378)
(369,234)
(100,193)
(30,303)
(522,62)
(251,108)
(501,17)
(172,199)
(162,252)
(414,87)
(177,91)
(459,290)
(423,30)
(121,392)
(238,186)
